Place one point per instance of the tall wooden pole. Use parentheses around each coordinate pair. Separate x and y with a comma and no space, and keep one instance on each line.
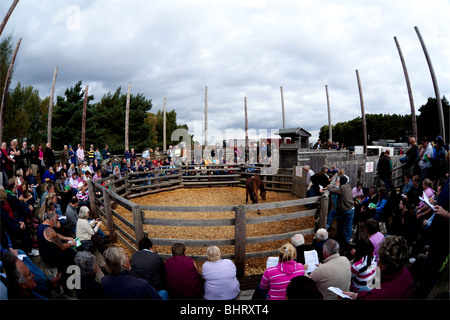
(164,127)
(8,14)
(282,108)
(408,85)
(246,130)
(50,108)
(206,116)
(330,131)
(83,122)
(6,88)
(127,117)
(363,112)
(435,85)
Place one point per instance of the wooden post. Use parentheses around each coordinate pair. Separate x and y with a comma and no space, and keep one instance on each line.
(137,221)
(109,216)
(246,130)
(363,112)
(408,85)
(282,108)
(164,127)
(323,214)
(6,88)
(330,131)
(83,121)
(206,117)
(240,231)
(50,108)
(127,116)
(92,199)
(435,85)
(8,14)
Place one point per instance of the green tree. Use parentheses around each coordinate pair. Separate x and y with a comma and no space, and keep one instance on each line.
(67,117)
(25,117)
(110,121)
(428,120)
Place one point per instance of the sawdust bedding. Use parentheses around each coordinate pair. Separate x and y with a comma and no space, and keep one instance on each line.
(218,197)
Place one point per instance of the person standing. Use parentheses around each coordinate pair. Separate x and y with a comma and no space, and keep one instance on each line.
(344,208)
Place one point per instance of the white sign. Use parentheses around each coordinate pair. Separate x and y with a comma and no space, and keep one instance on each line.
(369,166)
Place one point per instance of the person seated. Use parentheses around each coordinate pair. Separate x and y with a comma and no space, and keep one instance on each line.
(22,210)
(90,287)
(219,276)
(88,232)
(275,279)
(364,266)
(298,241)
(119,283)
(50,174)
(358,193)
(396,280)
(334,271)
(302,288)
(318,241)
(148,265)
(183,280)
(55,250)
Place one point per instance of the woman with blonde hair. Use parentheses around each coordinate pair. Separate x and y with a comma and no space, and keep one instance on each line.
(220,277)
(276,279)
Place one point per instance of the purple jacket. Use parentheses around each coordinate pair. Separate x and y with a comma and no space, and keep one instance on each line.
(396,286)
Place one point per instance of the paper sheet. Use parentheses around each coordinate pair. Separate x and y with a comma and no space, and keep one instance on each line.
(312,260)
(426,200)
(339,292)
(272,262)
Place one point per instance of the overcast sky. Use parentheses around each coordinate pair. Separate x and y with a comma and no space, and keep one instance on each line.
(173,49)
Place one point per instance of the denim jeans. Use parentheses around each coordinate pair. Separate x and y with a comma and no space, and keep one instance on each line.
(347,216)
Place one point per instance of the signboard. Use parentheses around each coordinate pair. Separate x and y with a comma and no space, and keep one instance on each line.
(369,167)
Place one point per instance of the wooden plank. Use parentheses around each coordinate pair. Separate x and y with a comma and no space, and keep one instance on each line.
(188,223)
(189,208)
(193,243)
(282,217)
(276,237)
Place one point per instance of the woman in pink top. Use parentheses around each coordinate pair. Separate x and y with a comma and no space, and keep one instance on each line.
(276,279)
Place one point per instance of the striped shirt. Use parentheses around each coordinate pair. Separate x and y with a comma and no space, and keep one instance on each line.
(276,279)
(363,274)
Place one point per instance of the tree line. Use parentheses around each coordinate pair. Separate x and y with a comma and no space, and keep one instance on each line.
(26,115)
(393,127)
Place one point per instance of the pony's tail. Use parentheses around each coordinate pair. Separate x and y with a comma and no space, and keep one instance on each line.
(252,192)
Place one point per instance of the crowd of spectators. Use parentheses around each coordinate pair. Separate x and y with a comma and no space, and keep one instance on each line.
(390,243)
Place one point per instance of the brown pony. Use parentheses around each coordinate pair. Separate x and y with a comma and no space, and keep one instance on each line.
(253,184)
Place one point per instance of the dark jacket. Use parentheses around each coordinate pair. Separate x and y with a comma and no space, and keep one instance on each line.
(148,266)
(125,286)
